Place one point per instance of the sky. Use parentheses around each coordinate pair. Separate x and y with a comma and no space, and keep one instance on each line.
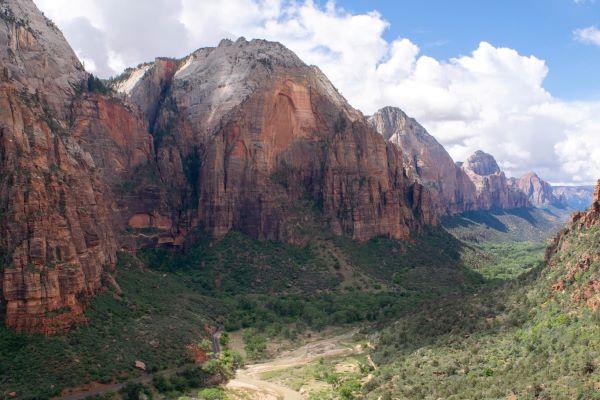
(515,78)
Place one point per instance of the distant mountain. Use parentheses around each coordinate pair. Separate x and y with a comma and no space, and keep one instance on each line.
(574,197)
(427,161)
(492,187)
(539,192)
(477,184)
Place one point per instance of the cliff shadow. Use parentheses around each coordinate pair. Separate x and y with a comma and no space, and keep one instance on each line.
(471,219)
(523,213)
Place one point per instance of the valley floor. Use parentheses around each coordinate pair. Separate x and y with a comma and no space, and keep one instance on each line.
(251,383)
(438,317)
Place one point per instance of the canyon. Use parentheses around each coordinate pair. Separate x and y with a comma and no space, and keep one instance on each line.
(243,136)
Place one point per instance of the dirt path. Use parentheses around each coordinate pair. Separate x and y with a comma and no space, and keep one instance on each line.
(249,385)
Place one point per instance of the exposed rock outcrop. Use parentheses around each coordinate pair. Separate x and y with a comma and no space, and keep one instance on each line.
(241,136)
(492,188)
(427,161)
(477,184)
(538,191)
(246,129)
(58,147)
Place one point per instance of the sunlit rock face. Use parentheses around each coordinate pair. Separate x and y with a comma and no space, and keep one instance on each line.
(232,137)
(427,161)
(539,192)
(245,129)
(476,184)
(492,188)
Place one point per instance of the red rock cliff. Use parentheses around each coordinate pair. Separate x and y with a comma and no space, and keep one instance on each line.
(246,129)
(57,237)
(493,190)
(538,191)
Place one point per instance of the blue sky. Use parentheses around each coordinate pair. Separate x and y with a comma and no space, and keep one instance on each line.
(544,28)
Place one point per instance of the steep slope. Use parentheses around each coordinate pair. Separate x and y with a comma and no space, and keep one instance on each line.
(427,161)
(246,130)
(492,187)
(243,136)
(536,337)
(57,143)
(576,251)
(539,192)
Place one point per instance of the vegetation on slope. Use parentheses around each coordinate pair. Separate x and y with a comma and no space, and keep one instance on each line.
(441,289)
(330,281)
(153,320)
(525,339)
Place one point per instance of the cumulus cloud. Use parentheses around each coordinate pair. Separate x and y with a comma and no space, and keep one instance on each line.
(590,35)
(491,99)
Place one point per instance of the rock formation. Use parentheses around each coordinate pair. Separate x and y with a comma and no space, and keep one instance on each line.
(243,131)
(427,161)
(575,255)
(477,184)
(492,188)
(241,136)
(57,238)
(539,192)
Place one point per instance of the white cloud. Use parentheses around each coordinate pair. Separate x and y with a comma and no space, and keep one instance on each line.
(492,99)
(590,35)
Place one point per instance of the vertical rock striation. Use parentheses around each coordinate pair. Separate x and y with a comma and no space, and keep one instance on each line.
(477,184)
(492,188)
(246,129)
(57,237)
(538,191)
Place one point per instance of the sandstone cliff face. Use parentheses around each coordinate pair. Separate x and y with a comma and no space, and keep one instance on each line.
(56,149)
(427,161)
(492,188)
(246,129)
(240,136)
(538,191)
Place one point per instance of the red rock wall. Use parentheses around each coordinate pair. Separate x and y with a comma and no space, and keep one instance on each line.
(56,239)
(348,169)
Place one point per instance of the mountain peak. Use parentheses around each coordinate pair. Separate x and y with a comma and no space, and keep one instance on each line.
(482,163)
(537,190)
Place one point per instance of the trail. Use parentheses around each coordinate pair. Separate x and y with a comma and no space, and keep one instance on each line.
(248,380)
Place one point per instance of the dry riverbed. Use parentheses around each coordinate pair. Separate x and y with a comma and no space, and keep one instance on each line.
(281,377)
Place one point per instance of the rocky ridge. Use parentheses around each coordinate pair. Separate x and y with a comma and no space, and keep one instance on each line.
(242,136)
(576,253)
(259,129)
(426,161)
(477,184)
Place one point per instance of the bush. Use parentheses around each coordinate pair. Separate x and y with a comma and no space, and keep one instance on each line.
(255,345)
(212,394)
